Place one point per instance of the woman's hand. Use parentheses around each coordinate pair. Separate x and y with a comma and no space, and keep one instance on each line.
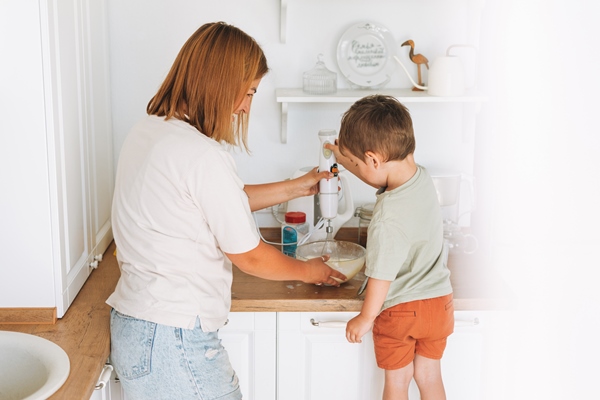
(320,273)
(269,194)
(267,262)
(308,184)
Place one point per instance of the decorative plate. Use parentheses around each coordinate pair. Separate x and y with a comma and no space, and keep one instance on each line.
(365,55)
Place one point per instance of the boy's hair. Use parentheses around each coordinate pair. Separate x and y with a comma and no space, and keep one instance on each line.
(212,72)
(380,124)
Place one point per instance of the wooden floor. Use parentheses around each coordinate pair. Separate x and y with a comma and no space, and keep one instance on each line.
(83,332)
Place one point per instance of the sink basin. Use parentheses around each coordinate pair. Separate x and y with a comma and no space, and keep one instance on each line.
(31,367)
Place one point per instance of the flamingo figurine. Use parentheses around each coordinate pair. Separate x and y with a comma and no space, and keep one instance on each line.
(417,59)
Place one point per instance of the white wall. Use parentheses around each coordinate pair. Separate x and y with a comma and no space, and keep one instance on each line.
(25,226)
(541,192)
(146,36)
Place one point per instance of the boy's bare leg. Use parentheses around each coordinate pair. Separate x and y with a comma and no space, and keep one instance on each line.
(428,376)
(397,382)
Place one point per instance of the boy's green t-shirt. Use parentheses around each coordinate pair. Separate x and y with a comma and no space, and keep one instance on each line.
(405,242)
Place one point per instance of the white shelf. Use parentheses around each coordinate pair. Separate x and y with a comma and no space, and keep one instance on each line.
(296,95)
(351,95)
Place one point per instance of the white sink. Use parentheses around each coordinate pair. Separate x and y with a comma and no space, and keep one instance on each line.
(31,367)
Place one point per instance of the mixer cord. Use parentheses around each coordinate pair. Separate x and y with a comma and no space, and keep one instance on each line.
(317,226)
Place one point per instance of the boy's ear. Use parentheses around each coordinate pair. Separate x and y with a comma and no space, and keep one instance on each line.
(372,158)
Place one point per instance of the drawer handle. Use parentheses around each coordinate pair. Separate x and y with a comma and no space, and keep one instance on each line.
(328,324)
(461,323)
(104,377)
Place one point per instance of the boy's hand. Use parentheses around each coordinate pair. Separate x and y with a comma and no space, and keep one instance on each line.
(347,161)
(339,158)
(357,327)
(374,298)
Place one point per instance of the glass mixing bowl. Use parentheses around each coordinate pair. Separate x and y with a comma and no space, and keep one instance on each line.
(346,257)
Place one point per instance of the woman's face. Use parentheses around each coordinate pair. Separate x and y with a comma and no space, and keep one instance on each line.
(246,101)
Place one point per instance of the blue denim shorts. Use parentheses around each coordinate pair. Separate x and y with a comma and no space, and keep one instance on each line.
(156,361)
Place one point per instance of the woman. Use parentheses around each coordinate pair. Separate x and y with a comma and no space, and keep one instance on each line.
(182,216)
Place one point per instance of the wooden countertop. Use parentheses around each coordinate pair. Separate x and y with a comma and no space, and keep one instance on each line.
(253,294)
(84,330)
(475,287)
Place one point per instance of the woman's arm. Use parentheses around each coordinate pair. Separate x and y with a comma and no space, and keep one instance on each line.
(269,194)
(267,262)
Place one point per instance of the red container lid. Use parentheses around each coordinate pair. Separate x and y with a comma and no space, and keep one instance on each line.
(295,217)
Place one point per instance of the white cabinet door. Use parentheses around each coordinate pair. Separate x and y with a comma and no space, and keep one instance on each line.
(111,389)
(66,130)
(316,362)
(99,126)
(79,138)
(250,341)
(463,359)
(462,362)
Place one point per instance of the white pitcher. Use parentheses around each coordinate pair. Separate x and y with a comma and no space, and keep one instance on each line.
(446,75)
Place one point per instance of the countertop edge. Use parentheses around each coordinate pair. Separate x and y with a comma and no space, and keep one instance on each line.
(346,305)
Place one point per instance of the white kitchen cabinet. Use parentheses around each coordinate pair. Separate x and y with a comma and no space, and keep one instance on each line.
(315,361)
(285,356)
(462,364)
(250,341)
(61,151)
(81,139)
(305,356)
(108,386)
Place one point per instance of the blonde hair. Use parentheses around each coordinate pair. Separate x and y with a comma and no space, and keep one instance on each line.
(380,124)
(212,72)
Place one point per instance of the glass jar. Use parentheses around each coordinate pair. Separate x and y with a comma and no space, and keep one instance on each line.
(319,80)
(364,213)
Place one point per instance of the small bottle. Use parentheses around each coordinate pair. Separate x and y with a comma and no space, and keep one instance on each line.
(292,232)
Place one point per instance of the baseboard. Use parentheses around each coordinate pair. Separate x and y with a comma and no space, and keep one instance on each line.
(14,316)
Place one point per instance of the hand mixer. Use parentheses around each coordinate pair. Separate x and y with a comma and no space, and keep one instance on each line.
(328,188)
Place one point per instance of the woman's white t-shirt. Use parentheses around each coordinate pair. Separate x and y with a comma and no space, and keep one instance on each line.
(178,205)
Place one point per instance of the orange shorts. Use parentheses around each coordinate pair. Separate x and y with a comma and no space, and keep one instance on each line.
(417,327)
